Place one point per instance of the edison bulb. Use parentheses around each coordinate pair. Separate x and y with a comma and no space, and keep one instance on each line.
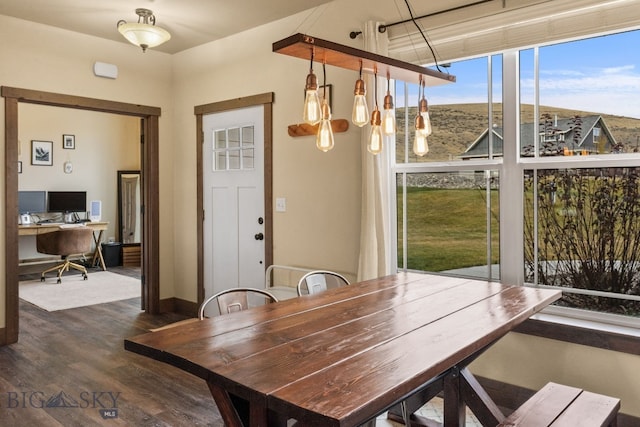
(427,123)
(324,138)
(375,140)
(312,111)
(389,122)
(360,112)
(312,114)
(420,145)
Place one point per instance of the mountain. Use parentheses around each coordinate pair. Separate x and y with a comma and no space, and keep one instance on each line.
(457,126)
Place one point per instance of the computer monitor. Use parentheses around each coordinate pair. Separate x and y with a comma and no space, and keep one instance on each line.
(32,202)
(67,201)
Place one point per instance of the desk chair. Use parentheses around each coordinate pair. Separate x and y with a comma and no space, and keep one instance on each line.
(65,242)
(320,280)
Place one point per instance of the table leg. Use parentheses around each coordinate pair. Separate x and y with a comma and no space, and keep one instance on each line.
(97,254)
(236,411)
(416,401)
(477,399)
(454,408)
(226,407)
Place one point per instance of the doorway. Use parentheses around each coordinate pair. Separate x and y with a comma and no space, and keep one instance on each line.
(150,188)
(233,199)
(260,254)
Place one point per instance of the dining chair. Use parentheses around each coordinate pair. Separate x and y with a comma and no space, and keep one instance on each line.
(237,299)
(319,281)
(282,280)
(229,301)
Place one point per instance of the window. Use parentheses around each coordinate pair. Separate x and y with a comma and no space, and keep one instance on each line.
(233,148)
(582,234)
(572,151)
(581,211)
(448,222)
(448,216)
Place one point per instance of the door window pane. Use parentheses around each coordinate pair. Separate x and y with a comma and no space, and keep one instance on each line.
(233,148)
(233,135)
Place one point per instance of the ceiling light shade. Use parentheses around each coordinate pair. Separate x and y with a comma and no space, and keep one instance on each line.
(144,33)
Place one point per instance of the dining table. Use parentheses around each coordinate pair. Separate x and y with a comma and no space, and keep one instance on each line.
(344,356)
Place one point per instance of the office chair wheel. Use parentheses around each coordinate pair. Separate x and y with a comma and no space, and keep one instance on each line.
(84,276)
(59,280)
(42,278)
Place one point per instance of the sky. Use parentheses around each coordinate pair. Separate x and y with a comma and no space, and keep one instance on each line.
(600,75)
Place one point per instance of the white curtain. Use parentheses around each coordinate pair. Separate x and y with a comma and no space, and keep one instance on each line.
(375,250)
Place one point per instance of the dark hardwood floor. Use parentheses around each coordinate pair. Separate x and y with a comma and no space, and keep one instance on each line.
(69,368)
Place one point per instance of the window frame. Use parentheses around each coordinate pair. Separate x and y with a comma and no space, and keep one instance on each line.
(511,167)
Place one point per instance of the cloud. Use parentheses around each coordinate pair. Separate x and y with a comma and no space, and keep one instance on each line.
(610,90)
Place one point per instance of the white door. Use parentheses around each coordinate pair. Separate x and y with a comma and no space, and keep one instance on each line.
(233,199)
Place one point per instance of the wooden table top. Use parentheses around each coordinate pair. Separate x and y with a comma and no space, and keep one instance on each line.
(345,355)
(35,229)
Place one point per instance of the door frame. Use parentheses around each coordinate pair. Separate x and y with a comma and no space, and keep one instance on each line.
(266,100)
(149,168)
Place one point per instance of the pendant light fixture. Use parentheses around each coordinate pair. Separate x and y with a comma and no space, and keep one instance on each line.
(360,113)
(312,111)
(347,57)
(424,112)
(420,144)
(389,118)
(144,33)
(375,139)
(324,137)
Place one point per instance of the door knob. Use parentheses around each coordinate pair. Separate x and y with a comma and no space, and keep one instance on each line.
(259,236)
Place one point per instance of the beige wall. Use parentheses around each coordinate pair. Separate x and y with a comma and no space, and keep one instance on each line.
(321,225)
(54,60)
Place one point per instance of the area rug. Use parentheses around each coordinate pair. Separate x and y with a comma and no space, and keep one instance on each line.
(100,287)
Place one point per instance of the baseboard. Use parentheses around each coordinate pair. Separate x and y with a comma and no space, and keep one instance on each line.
(177,305)
(509,396)
(3,336)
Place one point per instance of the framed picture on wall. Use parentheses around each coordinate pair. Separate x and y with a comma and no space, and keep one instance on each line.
(42,153)
(69,142)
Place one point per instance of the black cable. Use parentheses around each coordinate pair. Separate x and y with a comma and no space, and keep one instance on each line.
(423,36)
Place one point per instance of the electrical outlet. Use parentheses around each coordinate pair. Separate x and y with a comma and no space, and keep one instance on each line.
(281,204)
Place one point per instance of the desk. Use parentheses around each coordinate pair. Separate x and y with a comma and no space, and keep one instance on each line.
(341,357)
(100,227)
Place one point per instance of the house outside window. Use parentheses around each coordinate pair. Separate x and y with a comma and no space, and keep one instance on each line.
(571,151)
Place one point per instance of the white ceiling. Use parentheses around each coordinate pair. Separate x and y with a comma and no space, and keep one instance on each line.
(190,22)
(195,22)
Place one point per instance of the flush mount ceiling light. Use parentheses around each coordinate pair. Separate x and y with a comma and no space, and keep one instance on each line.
(144,33)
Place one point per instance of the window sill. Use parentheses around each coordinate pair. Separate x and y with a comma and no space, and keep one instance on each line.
(550,324)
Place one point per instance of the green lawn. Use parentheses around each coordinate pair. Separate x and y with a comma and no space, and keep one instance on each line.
(447,228)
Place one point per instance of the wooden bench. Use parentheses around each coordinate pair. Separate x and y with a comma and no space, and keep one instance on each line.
(560,405)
